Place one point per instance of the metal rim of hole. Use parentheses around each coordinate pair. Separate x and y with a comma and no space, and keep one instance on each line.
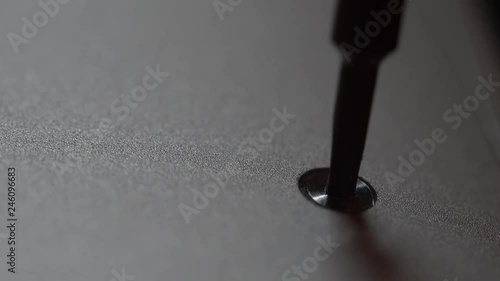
(313,185)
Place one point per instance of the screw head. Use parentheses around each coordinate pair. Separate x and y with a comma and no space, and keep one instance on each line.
(313,185)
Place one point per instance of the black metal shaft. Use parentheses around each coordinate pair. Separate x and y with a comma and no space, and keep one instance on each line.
(350,126)
(366,32)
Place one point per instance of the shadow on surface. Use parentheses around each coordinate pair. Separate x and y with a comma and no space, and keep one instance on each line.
(366,257)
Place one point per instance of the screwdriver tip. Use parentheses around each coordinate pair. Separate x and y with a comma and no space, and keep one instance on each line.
(313,185)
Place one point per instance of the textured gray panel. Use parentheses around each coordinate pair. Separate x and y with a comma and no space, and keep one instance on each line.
(116,204)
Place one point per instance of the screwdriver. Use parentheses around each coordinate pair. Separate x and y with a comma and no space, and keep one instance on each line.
(362,55)
(365,32)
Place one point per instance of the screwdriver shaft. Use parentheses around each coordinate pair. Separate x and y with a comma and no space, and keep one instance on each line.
(350,126)
(363,51)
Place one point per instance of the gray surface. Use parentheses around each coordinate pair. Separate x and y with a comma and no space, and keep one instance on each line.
(117,205)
